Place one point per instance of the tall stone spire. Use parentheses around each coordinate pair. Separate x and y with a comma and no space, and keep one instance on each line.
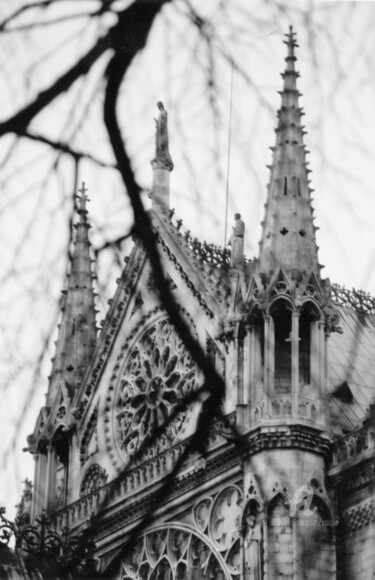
(162,164)
(77,330)
(288,234)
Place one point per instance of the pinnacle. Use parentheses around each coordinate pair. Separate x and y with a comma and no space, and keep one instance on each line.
(83,199)
(77,329)
(288,208)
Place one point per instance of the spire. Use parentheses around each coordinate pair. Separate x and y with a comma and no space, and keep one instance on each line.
(77,331)
(162,164)
(288,234)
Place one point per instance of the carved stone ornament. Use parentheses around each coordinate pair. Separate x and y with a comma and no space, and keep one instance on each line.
(157,374)
(170,554)
(207,548)
(94,478)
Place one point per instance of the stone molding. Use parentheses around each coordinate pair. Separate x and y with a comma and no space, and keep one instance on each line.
(357,517)
(224,457)
(355,478)
(353,445)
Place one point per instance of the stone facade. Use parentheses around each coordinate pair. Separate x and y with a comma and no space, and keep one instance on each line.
(281,485)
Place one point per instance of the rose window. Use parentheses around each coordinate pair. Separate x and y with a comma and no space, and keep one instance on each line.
(157,375)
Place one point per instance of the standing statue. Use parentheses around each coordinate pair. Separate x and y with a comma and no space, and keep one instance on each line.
(236,242)
(252,549)
(162,154)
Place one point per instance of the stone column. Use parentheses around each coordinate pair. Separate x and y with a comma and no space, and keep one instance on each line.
(248,371)
(323,372)
(36,490)
(295,362)
(72,470)
(269,348)
(265,549)
(294,519)
(50,477)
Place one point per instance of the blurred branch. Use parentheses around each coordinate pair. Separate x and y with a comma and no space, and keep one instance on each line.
(65,148)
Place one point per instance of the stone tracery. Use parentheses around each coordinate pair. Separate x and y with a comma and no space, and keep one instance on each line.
(94,478)
(178,552)
(169,554)
(158,374)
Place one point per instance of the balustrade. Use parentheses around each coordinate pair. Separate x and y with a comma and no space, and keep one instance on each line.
(353,444)
(276,406)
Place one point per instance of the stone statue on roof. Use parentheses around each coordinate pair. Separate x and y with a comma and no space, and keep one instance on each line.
(162,155)
(237,242)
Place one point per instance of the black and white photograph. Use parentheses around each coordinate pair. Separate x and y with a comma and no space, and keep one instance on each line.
(187,290)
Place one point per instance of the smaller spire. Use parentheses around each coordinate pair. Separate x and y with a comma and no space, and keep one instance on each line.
(162,164)
(288,232)
(77,329)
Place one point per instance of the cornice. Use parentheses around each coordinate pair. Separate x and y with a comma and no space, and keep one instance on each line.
(357,517)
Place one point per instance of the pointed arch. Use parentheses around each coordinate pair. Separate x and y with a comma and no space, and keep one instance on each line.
(256,354)
(280,531)
(281,317)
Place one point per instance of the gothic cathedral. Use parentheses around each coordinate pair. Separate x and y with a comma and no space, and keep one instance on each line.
(271,365)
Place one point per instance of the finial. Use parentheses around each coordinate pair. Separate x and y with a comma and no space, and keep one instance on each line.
(291,42)
(288,234)
(83,199)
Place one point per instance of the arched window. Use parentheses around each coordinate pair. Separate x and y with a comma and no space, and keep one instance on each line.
(256,325)
(282,320)
(308,318)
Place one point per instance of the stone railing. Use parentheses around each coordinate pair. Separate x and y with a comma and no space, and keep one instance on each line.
(131,481)
(356,299)
(308,408)
(276,406)
(353,444)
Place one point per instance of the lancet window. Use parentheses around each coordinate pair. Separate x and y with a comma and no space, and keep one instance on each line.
(282,356)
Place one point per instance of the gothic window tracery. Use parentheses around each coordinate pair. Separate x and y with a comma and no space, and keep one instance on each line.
(206,549)
(282,321)
(158,374)
(93,479)
(307,322)
(172,554)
